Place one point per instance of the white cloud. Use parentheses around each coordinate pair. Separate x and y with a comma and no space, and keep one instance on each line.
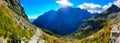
(117,3)
(64,3)
(107,6)
(94,8)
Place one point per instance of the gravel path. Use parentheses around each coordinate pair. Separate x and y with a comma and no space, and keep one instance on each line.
(35,38)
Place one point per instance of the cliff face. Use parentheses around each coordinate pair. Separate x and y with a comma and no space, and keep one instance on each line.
(17,7)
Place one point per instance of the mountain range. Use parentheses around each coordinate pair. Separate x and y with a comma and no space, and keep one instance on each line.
(64,19)
(79,25)
(90,26)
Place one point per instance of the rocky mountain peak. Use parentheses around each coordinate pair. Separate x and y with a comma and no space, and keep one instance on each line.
(113,9)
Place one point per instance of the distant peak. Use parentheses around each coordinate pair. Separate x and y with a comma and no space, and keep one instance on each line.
(114,6)
(65,8)
(113,9)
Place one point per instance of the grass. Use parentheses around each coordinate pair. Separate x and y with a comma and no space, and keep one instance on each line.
(9,27)
(51,39)
(102,36)
(54,39)
(50,32)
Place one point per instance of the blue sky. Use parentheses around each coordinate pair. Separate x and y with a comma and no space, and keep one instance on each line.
(34,8)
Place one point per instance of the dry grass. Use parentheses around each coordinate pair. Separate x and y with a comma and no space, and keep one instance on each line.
(102,36)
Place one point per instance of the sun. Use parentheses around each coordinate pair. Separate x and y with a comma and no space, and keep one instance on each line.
(64,3)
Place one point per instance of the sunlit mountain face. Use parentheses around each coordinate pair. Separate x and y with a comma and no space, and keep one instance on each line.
(64,19)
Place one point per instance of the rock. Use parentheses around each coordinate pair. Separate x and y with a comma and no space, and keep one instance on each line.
(17,6)
(115,34)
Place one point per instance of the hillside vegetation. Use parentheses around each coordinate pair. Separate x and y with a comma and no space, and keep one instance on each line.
(102,36)
(9,28)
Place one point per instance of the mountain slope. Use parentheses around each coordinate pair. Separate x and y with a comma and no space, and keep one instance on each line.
(95,29)
(62,20)
(9,27)
(15,28)
(111,17)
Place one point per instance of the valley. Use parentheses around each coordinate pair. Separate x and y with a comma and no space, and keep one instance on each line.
(66,25)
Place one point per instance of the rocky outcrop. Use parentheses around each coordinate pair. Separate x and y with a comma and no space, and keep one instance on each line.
(17,6)
(114,20)
(112,15)
(115,28)
(115,32)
